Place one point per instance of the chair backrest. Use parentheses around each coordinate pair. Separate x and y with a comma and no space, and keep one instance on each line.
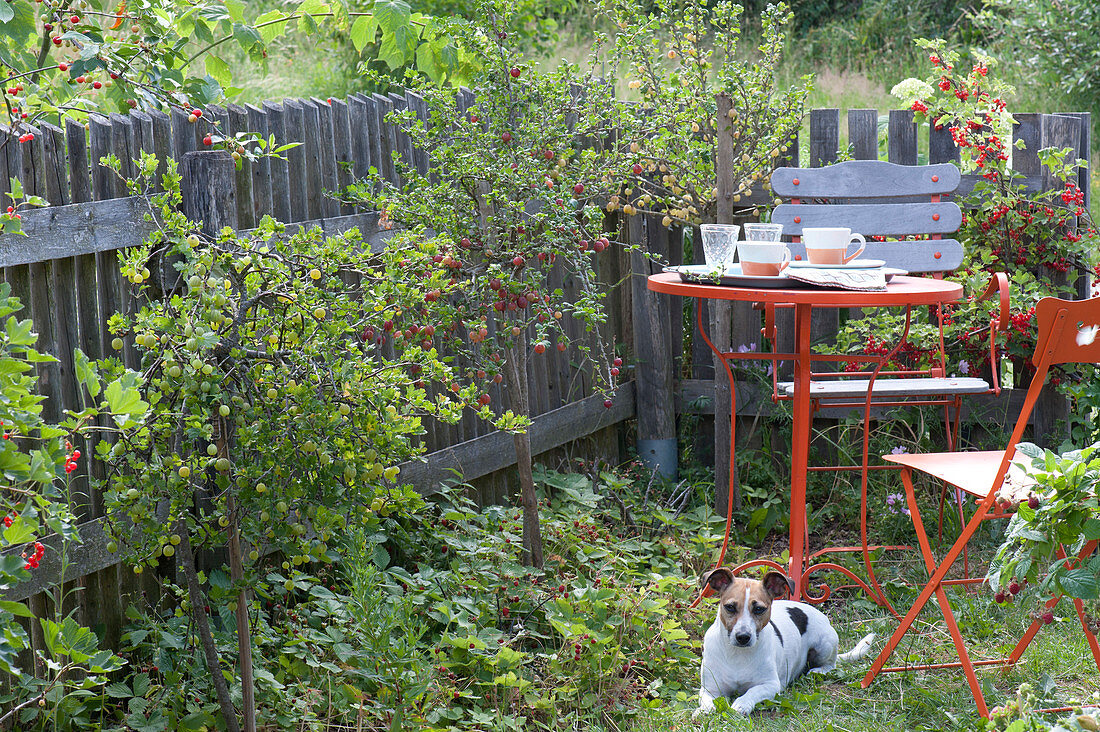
(878,199)
(1068,332)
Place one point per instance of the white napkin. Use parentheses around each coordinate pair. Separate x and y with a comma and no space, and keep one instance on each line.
(864,280)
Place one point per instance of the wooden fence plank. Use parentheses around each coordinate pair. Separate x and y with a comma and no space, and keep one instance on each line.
(342,148)
(281,207)
(359,119)
(246,208)
(402,143)
(941,146)
(385,133)
(260,170)
(122,147)
(297,167)
(99,599)
(162,144)
(901,142)
(314,161)
(327,158)
(419,105)
(653,372)
(1027,130)
(99,146)
(824,136)
(863,133)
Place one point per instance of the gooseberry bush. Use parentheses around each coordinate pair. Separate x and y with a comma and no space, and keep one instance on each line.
(518,171)
(270,413)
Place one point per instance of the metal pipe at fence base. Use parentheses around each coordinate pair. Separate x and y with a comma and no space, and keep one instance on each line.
(659,456)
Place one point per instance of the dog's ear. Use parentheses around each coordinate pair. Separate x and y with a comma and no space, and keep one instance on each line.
(777,584)
(718,579)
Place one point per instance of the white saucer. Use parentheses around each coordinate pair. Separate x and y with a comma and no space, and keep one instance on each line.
(854,264)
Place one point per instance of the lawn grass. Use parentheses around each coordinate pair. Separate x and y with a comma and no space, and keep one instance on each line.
(1058,659)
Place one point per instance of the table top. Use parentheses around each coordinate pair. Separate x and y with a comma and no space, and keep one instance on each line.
(899,291)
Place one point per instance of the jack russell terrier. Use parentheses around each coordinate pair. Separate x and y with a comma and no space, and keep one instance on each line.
(759,644)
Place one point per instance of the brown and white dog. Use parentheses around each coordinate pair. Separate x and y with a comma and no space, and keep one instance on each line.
(759,644)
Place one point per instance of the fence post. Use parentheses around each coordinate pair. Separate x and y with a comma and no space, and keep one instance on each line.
(209,194)
(655,400)
(721,317)
(1058,131)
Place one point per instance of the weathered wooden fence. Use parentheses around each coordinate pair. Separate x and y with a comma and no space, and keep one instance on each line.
(66,271)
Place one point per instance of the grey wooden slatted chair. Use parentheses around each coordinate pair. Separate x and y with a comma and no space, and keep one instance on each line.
(881,199)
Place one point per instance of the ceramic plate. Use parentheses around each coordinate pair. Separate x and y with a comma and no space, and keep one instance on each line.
(854,264)
(732,275)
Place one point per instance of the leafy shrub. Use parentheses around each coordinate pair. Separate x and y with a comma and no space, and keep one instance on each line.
(284,378)
(38,463)
(1060,513)
(510,203)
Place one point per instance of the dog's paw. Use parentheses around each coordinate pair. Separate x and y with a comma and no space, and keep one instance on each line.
(742,707)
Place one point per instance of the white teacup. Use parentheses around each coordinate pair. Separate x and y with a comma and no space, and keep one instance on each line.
(763,258)
(829,245)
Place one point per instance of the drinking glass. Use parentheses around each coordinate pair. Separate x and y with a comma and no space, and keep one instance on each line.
(763,232)
(719,243)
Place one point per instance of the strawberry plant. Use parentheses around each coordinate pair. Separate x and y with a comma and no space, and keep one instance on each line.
(1061,512)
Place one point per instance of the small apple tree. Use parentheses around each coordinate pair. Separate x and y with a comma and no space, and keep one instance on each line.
(517,173)
(276,410)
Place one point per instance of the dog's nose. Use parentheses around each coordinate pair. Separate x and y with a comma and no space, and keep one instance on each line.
(742,639)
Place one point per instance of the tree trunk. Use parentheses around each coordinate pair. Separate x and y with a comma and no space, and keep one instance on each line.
(222,438)
(519,402)
(198,612)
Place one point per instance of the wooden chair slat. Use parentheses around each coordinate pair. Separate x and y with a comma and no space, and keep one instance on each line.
(933,255)
(865,179)
(882,219)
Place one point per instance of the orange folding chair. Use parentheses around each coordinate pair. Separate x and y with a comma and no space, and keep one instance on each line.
(1067,334)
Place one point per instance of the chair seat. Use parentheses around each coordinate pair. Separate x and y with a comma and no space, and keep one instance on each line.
(973,472)
(848,388)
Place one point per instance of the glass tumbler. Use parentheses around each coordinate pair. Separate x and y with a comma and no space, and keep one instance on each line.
(719,243)
(763,232)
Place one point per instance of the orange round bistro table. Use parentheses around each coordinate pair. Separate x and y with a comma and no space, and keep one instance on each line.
(900,292)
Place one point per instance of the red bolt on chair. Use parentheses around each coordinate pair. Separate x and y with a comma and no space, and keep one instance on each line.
(1067,334)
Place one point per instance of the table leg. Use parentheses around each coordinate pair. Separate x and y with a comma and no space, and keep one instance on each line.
(800,447)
